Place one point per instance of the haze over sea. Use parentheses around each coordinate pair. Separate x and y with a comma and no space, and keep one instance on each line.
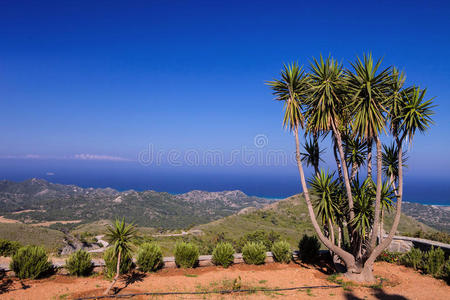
(271,182)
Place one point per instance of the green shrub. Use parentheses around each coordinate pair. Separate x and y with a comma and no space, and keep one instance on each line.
(281,251)
(446,271)
(150,257)
(259,236)
(186,255)
(309,247)
(223,254)
(413,258)
(8,248)
(80,263)
(30,262)
(126,263)
(390,257)
(254,253)
(434,261)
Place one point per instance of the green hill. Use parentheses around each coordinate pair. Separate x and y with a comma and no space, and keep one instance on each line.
(37,200)
(289,218)
(50,239)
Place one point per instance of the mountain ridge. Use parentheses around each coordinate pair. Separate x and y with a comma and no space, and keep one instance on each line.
(41,200)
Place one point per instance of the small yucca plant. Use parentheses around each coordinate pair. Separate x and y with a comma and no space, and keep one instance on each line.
(281,251)
(223,254)
(79,263)
(254,253)
(30,262)
(309,247)
(434,261)
(413,258)
(149,257)
(186,255)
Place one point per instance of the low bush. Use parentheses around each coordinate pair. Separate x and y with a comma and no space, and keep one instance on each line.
(446,271)
(412,259)
(434,261)
(186,255)
(80,263)
(390,257)
(8,248)
(281,251)
(309,248)
(126,263)
(150,257)
(30,262)
(223,254)
(254,253)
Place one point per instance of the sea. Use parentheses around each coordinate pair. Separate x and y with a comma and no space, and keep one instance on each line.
(269,182)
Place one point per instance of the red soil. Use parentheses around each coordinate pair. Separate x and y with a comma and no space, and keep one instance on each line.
(399,283)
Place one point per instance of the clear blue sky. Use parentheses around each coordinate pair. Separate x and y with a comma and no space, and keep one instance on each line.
(104,79)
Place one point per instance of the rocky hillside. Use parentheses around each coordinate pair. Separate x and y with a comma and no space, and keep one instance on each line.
(37,200)
(435,216)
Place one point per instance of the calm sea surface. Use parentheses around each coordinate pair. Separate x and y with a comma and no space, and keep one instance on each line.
(269,182)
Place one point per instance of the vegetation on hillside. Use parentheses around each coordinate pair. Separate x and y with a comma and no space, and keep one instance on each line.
(37,200)
(51,240)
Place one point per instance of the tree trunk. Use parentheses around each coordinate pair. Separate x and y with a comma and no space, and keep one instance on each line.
(348,188)
(117,274)
(339,236)
(338,162)
(383,245)
(354,170)
(364,274)
(346,257)
(381,233)
(316,163)
(331,230)
(393,185)
(369,158)
(376,221)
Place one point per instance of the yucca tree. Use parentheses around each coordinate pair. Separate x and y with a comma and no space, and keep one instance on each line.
(326,108)
(121,237)
(326,191)
(369,87)
(390,163)
(312,154)
(395,97)
(362,105)
(355,153)
(293,89)
(415,115)
(364,195)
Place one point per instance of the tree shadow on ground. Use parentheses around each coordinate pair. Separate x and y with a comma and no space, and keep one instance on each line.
(7,283)
(379,294)
(323,264)
(129,279)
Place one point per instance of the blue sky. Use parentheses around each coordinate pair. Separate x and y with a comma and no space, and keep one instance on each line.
(102,80)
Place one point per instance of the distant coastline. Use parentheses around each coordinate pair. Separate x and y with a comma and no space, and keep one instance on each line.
(411,190)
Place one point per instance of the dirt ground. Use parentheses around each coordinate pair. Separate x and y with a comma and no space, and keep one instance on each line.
(399,283)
